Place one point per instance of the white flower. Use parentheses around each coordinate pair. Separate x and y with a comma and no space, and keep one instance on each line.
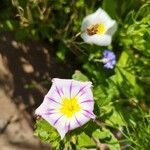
(98,28)
(68,104)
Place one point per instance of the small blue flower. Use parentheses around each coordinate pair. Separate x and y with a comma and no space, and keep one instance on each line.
(109,59)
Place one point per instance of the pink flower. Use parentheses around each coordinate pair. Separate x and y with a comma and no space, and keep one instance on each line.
(68,105)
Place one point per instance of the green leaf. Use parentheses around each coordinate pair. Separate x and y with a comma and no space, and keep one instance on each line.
(131,77)
(123,60)
(79,76)
(9,25)
(105,93)
(112,116)
(106,137)
(47,133)
(61,52)
(110,6)
(85,141)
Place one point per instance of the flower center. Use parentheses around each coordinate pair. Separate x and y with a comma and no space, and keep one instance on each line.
(101,28)
(70,107)
(96,29)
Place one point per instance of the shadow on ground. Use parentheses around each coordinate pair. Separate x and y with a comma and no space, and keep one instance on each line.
(26,69)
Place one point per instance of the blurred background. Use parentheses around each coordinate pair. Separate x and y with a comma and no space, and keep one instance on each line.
(28,61)
(36,44)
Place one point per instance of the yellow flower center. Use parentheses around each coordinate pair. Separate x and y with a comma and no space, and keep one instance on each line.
(70,107)
(96,29)
(101,28)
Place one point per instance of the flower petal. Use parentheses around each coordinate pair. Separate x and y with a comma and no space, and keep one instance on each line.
(108,65)
(50,109)
(110,58)
(112,28)
(100,16)
(103,17)
(71,88)
(79,88)
(80,119)
(102,40)
(88,106)
(109,55)
(86,97)
(41,109)
(55,93)
(61,126)
(64,85)
(89,20)
(89,114)
(76,122)
(46,106)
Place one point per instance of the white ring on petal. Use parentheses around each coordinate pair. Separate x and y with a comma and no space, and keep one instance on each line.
(102,40)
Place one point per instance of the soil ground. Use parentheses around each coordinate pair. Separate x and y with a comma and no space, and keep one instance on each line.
(25,68)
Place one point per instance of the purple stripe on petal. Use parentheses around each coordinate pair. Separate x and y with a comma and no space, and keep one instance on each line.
(49,112)
(81,90)
(88,112)
(85,115)
(87,101)
(50,109)
(51,99)
(61,90)
(70,89)
(77,121)
(66,126)
(58,91)
(69,126)
(57,120)
(81,93)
